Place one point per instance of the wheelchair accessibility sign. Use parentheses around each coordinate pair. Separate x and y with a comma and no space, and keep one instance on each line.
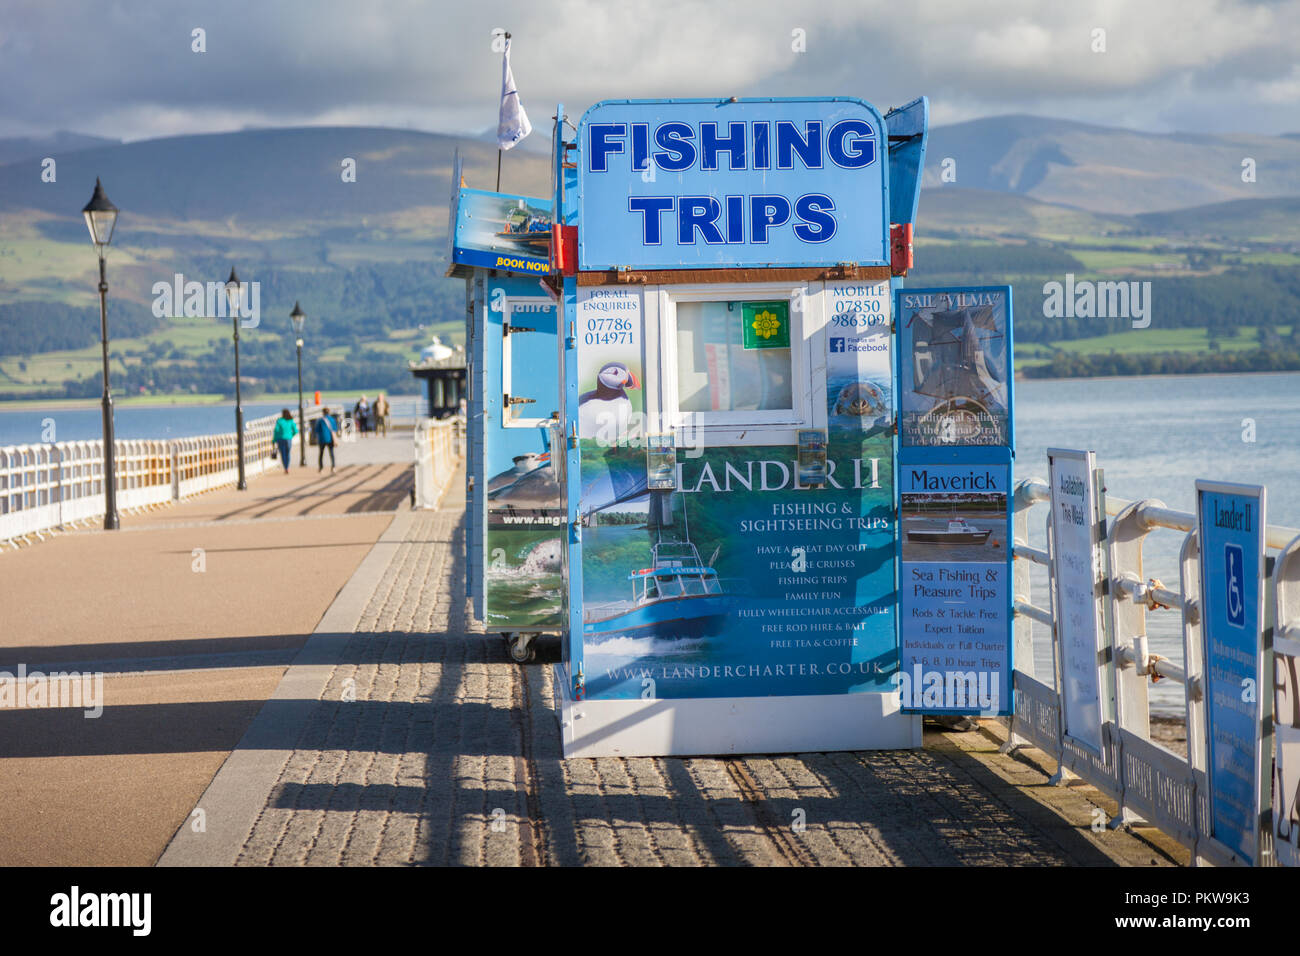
(1230,523)
(1235,584)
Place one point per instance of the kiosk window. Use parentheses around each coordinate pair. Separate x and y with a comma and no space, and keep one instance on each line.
(716,372)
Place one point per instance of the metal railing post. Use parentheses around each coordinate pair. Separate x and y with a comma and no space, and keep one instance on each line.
(1128,638)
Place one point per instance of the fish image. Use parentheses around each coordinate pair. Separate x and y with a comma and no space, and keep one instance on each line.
(862,400)
(607,406)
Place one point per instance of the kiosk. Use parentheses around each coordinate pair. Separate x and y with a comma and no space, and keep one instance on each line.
(514,520)
(725,271)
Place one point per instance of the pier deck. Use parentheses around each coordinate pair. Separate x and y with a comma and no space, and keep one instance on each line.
(190,644)
(450,754)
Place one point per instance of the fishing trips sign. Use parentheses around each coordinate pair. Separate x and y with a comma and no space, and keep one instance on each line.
(667,184)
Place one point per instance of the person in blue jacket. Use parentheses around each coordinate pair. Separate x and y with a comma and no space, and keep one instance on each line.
(285,431)
(325,428)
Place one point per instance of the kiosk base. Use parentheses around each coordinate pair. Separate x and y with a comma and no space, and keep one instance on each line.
(730,725)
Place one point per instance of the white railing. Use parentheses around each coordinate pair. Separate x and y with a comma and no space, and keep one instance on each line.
(407,412)
(48,486)
(439,447)
(1150,782)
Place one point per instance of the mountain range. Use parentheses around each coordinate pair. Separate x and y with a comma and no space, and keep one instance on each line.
(1107,170)
(366,257)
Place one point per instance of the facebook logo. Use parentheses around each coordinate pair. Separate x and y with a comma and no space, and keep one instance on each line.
(1234,576)
(837,343)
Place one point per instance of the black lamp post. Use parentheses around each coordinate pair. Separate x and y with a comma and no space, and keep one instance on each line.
(299,319)
(101,219)
(233,295)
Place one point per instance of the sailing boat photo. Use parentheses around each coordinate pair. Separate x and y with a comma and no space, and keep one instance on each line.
(955,387)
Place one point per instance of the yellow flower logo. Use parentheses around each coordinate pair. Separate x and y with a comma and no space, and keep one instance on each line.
(766,324)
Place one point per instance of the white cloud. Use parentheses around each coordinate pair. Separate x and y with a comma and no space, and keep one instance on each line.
(127,69)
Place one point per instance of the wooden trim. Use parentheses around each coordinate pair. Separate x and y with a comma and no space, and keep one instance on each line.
(699,276)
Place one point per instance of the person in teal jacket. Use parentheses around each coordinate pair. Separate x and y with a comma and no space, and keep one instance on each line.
(325,429)
(285,430)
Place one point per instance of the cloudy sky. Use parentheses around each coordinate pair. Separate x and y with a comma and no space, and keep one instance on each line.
(125,68)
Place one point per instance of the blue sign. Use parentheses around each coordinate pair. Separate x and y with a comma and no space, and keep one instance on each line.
(667,184)
(503,232)
(956,441)
(954,634)
(1230,519)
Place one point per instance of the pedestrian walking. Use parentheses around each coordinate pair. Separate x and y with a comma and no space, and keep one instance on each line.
(361,414)
(381,414)
(286,429)
(325,428)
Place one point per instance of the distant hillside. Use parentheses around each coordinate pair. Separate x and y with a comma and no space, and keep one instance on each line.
(17,149)
(953,209)
(949,211)
(285,178)
(1255,219)
(1108,170)
(364,258)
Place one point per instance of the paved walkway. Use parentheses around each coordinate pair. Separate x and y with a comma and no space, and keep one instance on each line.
(191,612)
(401,736)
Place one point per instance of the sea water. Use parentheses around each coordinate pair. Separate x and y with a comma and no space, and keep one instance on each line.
(30,425)
(1153,437)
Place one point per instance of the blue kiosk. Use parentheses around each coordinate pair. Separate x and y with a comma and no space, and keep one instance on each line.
(500,246)
(726,270)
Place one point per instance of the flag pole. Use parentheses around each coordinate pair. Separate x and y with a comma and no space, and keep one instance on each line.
(499,149)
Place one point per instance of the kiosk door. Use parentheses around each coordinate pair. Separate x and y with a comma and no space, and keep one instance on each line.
(529,376)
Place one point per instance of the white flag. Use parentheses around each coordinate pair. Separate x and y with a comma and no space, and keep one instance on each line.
(513,125)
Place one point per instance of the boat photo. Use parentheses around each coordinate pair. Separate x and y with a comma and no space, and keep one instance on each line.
(959,531)
(527,229)
(678,596)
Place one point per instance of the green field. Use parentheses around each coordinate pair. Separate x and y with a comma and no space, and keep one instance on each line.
(53,368)
(35,373)
(1102,261)
(1140,341)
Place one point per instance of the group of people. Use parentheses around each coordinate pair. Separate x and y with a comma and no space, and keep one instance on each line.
(325,429)
(371,417)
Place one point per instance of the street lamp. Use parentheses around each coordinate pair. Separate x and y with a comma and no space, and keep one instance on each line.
(299,319)
(101,219)
(233,297)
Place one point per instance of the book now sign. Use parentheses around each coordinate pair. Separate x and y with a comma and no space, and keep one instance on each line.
(675,184)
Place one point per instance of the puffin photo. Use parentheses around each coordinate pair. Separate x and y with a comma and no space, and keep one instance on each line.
(607,406)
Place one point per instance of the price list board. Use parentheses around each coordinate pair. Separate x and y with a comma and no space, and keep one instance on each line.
(1077,569)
